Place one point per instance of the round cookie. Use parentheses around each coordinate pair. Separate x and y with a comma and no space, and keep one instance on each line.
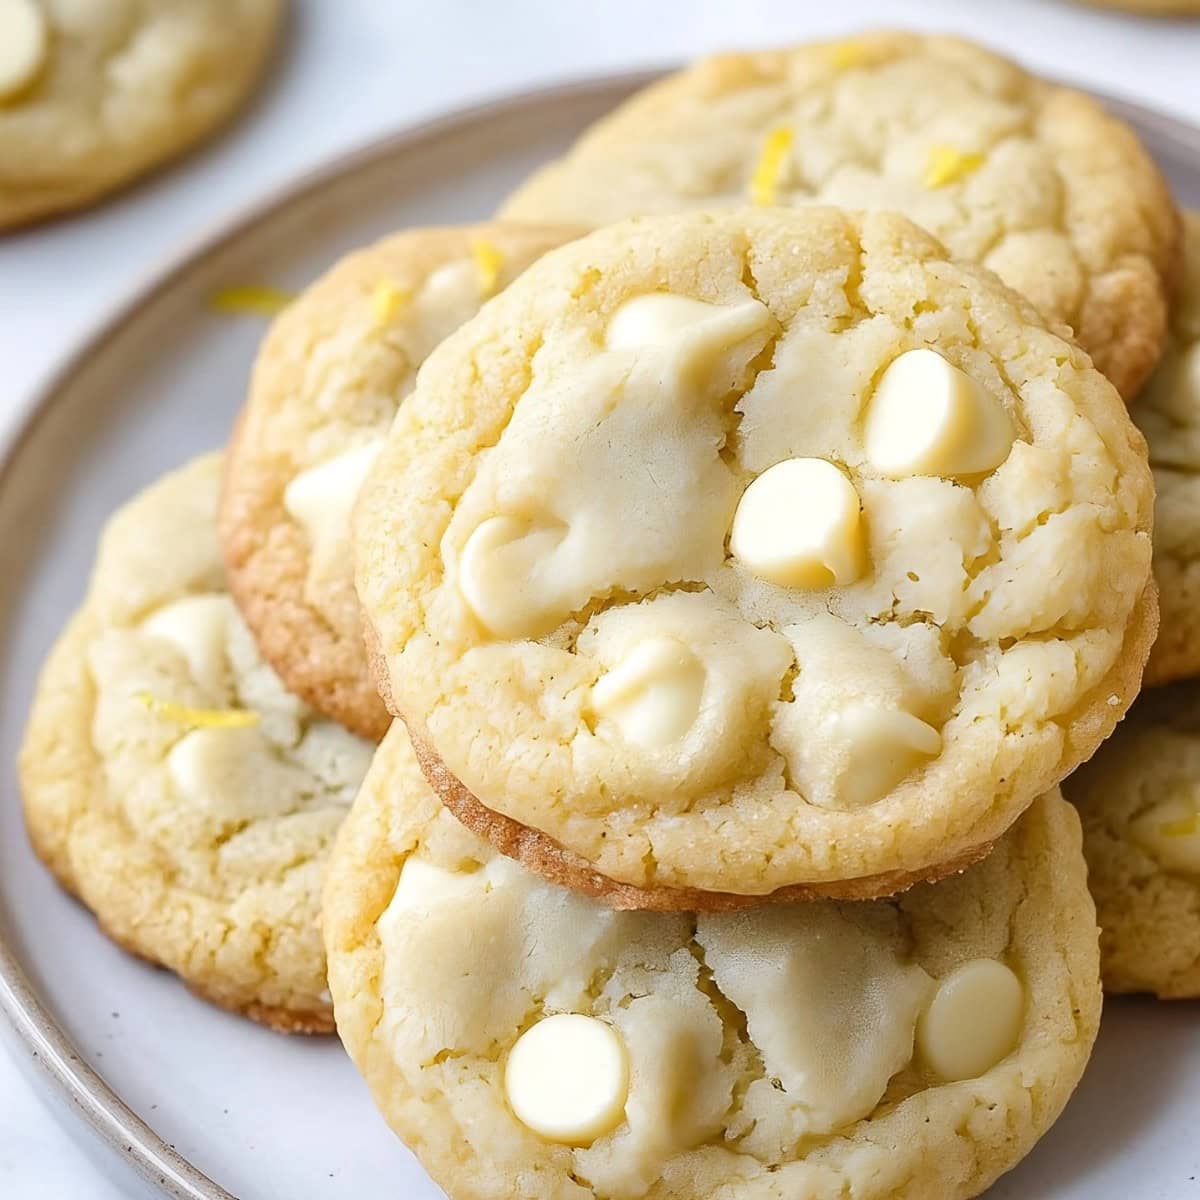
(1168,413)
(95,94)
(325,389)
(912,1047)
(169,780)
(752,551)
(1138,799)
(1035,181)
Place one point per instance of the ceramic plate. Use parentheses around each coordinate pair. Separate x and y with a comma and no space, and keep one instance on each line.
(195,1102)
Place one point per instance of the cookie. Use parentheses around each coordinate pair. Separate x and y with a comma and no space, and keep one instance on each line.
(326,386)
(169,780)
(757,550)
(1138,800)
(93,95)
(526,1041)
(1168,413)
(1035,181)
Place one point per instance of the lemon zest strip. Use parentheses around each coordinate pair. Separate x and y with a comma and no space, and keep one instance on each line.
(488,261)
(387,300)
(772,162)
(843,55)
(1184,827)
(948,164)
(252,298)
(198,718)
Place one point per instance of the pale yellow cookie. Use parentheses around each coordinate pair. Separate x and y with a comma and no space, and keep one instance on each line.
(1037,182)
(95,92)
(760,550)
(1139,799)
(1168,413)
(328,380)
(172,783)
(525,1041)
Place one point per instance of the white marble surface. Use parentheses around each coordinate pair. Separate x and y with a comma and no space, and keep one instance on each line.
(354,69)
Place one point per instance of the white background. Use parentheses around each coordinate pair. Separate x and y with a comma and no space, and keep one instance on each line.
(355,69)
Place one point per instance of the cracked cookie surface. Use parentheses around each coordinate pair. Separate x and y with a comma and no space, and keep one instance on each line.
(1168,413)
(171,782)
(104,91)
(783,1051)
(1034,181)
(542,558)
(1139,800)
(328,380)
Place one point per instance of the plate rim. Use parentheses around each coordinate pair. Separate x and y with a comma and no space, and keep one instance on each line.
(48,1051)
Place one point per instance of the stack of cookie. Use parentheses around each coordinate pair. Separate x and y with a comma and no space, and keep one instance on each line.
(746,575)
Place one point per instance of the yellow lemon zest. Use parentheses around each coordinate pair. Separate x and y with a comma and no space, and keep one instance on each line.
(948,164)
(764,183)
(252,298)
(387,300)
(488,261)
(198,718)
(1184,827)
(843,55)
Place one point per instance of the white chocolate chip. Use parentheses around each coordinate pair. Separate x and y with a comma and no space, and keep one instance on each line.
(322,498)
(210,765)
(695,329)
(799,525)
(24,45)
(882,745)
(567,1079)
(239,775)
(198,627)
(973,1020)
(502,576)
(1170,832)
(929,418)
(450,297)
(653,694)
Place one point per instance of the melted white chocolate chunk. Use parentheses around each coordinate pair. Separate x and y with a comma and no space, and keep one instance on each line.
(653,694)
(198,627)
(929,418)
(695,329)
(661,318)
(423,883)
(973,1020)
(24,45)
(567,1079)
(1170,832)
(799,525)
(322,498)
(882,746)
(503,576)
(830,1003)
